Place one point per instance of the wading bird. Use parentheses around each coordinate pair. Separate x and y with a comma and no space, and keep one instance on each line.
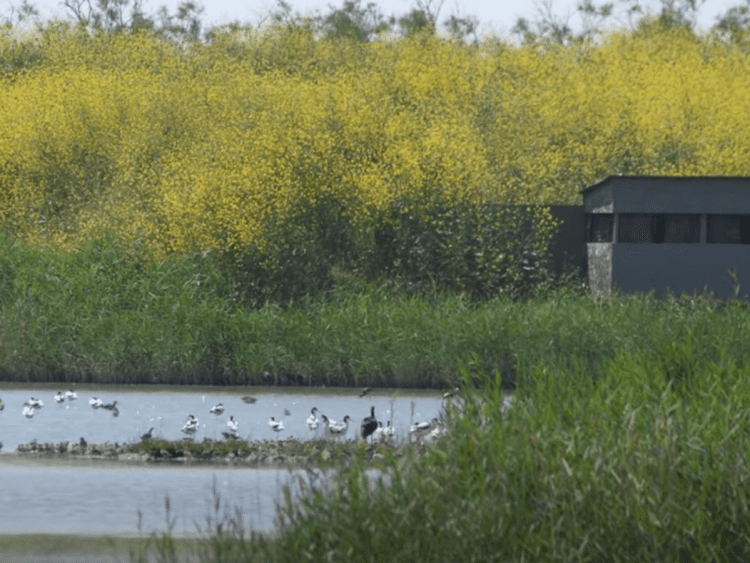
(28,411)
(312,420)
(378,435)
(450,394)
(71,395)
(36,403)
(338,428)
(95,403)
(276,425)
(389,431)
(191,426)
(59,397)
(217,409)
(233,424)
(369,425)
(420,429)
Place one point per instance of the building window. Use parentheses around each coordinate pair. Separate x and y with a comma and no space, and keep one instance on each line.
(658,228)
(599,227)
(728,229)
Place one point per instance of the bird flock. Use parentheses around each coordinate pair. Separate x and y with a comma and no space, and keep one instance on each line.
(370,428)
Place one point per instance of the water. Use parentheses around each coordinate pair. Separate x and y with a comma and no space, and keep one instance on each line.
(79,497)
(106,499)
(167,412)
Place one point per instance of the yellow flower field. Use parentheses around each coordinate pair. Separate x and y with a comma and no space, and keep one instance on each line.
(219,145)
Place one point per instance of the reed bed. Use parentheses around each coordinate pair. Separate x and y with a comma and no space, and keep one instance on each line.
(643,459)
(110,314)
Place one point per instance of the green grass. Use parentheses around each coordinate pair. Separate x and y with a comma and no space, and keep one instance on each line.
(636,454)
(113,315)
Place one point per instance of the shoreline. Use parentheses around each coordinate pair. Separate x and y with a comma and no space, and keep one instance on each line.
(261,454)
(228,389)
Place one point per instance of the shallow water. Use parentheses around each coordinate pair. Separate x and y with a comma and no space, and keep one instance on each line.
(119,500)
(167,412)
(80,497)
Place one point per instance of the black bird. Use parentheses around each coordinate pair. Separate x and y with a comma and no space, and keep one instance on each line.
(248,399)
(148,435)
(110,406)
(83,443)
(369,425)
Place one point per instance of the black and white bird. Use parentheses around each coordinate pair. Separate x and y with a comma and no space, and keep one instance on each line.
(369,425)
(217,409)
(35,403)
(233,424)
(59,397)
(450,394)
(389,431)
(148,435)
(95,403)
(420,429)
(312,420)
(2,406)
(276,425)
(191,426)
(28,410)
(71,395)
(338,429)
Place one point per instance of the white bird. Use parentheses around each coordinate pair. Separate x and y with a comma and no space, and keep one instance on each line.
(378,435)
(276,425)
(438,431)
(421,428)
(217,409)
(28,411)
(95,403)
(233,424)
(389,431)
(312,420)
(338,428)
(59,397)
(36,403)
(71,395)
(191,426)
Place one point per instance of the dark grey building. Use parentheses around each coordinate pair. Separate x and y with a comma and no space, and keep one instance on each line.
(648,233)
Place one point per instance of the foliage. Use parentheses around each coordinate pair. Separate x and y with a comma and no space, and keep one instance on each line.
(295,157)
(113,313)
(620,463)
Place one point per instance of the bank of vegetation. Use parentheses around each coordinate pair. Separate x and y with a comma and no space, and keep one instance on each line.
(641,459)
(107,315)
